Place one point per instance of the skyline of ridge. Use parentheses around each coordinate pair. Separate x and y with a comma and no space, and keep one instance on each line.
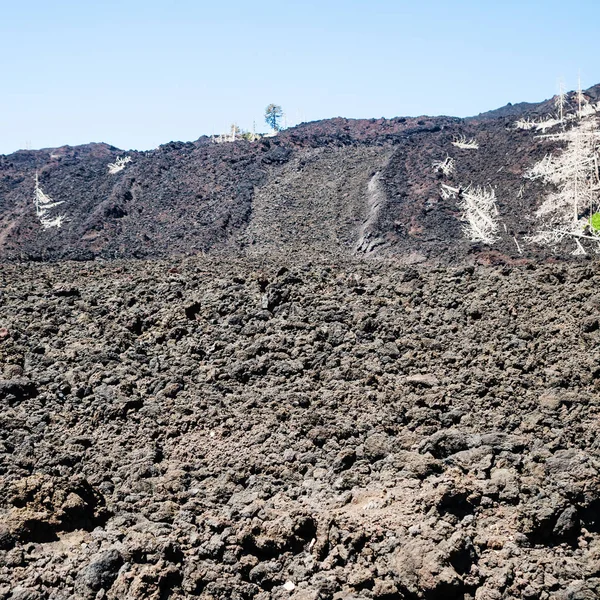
(137,74)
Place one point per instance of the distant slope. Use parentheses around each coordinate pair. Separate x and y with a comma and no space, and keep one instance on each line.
(509,110)
(305,190)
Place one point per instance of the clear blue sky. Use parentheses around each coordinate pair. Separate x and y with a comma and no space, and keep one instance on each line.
(140,73)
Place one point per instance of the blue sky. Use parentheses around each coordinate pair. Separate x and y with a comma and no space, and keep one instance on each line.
(136,74)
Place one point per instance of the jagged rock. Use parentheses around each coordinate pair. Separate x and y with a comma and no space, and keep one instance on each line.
(427,380)
(423,570)
(376,446)
(22,593)
(17,390)
(567,524)
(100,574)
(44,506)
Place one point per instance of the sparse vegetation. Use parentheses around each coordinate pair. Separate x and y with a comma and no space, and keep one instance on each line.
(273,113)
(446,166)
(465,144)
(479,212)
(594,221)
(525,123)
(43,207)
(119,164)
(573,172)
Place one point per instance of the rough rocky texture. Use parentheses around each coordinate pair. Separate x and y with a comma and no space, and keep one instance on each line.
(334,187)
(228,428)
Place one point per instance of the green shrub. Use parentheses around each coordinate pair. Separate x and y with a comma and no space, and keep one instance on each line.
(595,221)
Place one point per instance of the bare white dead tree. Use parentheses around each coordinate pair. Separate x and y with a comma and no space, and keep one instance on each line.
(548,123)
(551,121)
(119,164)
(561,101)
(446,166)
(517,244)
(580,97)
(465,144)
(575,175)
(479,210)
(525,124)
(235,133)
(584,107)
(43,205)
(588,109)
(579,249)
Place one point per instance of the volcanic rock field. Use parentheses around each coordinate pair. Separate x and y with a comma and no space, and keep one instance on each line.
(280,370)
(219,428)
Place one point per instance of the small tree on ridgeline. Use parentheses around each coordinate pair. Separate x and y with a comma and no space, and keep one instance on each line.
(273,113)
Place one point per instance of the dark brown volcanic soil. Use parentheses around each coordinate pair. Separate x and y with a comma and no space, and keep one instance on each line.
(236,429)
(307,190)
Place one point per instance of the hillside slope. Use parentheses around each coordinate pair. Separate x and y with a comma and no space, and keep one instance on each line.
(308,189)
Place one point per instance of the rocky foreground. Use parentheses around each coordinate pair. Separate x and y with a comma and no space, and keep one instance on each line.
(229,429)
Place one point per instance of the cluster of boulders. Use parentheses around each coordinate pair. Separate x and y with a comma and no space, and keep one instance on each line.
(236,428)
